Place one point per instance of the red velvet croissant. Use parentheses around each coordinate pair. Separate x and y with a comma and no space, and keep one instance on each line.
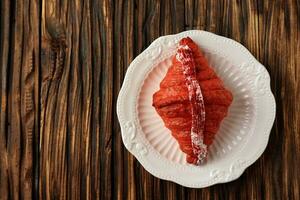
(192,101)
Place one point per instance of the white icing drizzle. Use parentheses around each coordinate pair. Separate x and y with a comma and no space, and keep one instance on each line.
(185,57)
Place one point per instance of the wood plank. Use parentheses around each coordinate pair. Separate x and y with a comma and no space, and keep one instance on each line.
(4,70)
(96,95)
(15,130)
(106,13)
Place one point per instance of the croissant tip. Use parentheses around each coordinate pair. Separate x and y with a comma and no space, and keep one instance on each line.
(186,40)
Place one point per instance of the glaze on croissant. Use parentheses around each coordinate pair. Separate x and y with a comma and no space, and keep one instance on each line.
(192,101)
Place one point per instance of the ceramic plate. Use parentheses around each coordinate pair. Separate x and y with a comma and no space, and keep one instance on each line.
(243,135)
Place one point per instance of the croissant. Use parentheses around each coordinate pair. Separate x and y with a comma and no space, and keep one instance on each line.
(192,101)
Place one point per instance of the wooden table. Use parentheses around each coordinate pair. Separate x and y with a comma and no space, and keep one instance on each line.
(62,64)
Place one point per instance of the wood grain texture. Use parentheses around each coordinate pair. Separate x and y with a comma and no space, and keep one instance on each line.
(62,64)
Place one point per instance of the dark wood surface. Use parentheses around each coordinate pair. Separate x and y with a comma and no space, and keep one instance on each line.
(62,64)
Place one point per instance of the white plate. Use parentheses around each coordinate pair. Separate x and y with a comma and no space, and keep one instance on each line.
(243,135)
